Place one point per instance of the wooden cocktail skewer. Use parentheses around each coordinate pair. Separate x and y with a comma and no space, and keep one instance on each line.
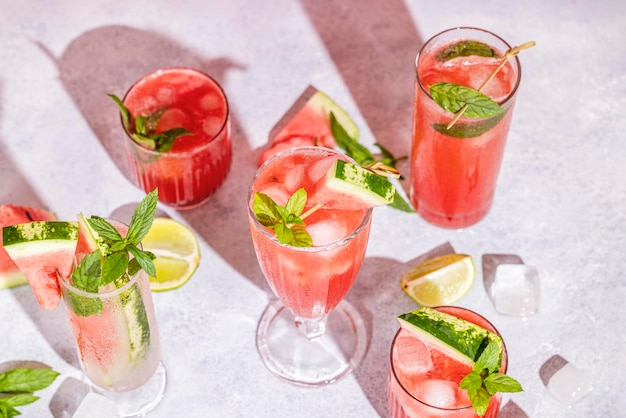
(509,54)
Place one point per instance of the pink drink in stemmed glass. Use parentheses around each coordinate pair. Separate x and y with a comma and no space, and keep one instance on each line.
(310,282)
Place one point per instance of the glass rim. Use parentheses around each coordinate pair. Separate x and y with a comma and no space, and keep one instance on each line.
(366,217)
(518,78)
(171,152)
(438,408)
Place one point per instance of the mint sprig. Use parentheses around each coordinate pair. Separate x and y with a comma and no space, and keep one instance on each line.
(364,157)
(112,261)
(484,380)
(287,221)
(454,97)
(17,387)
(143,128)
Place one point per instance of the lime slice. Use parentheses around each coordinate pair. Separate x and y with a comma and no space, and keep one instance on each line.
(439,281)
(177,253)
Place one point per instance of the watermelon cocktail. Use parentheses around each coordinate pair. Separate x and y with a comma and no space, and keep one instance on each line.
(199,160)
(312,279)
(116,337)
(454,169)
(424,375)
(98,268)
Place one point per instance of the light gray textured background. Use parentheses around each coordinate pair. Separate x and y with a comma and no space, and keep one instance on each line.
(560,203)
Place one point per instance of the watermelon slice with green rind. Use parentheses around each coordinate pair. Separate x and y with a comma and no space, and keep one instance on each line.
(461,339)
(352,187)
(10,274)
(40,250)
(307,123)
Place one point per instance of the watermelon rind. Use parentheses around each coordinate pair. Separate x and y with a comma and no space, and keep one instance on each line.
(22,237)
(40,250)
(325,105)
(461,339)
(369,188)
(13,278)
(10,274)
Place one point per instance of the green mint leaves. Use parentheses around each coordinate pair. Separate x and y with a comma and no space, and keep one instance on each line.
(462,100)
(112,261)
(465,49)
(453,97)
(364,157)
(142,128)
(17,387)
(286,221)
(484,380)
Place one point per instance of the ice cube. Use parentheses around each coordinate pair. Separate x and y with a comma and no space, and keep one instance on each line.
(276,191)
(439,393)
(515,290)
(569,384)
(94,405)
(326,231)
(320,168)
(172,118)
(412,355)
(212,125)
(211,101)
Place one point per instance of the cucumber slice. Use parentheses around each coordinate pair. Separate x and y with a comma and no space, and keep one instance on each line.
(459,338)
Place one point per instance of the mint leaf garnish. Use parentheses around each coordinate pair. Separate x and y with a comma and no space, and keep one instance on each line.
(364,157)
(143,128)
(25,380)
(484,380)
(112,262)
(17,387)
(469,130)
(454,97)
(286,221)
(465,49)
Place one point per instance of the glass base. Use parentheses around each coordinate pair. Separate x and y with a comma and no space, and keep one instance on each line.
(140,401)
(319,361)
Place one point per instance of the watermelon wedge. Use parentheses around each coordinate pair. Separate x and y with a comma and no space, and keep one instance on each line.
(10,275)
(307,122)
(40,249)
(352,187)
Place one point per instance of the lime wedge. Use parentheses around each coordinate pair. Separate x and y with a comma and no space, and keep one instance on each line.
(439,281)
(177,253)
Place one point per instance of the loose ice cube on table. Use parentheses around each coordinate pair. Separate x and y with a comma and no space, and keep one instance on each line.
(515,290)
(569,384)
(94,405)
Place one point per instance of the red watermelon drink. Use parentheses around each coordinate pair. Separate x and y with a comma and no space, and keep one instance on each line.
(424,374)
(454,169)
(196,165)
(311,280)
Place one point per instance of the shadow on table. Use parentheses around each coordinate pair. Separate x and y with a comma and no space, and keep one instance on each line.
(379,299)
(109,59)
(373,44)
(15,189)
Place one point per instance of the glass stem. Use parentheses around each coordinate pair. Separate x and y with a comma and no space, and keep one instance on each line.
(312,328)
